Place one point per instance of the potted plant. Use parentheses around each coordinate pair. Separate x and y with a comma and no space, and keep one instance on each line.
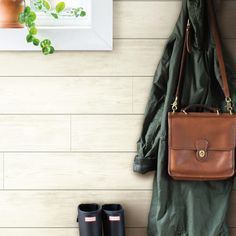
(9,11)
(28,18)
(14,14)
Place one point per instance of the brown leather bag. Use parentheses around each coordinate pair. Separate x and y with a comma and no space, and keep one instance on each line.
(201,144)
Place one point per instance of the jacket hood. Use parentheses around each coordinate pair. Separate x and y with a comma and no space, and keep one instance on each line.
(197,15)
(195,10)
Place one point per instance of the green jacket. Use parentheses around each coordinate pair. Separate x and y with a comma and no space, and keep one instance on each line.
(187,208)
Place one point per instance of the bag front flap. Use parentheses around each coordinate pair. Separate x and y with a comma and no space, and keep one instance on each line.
(208,130)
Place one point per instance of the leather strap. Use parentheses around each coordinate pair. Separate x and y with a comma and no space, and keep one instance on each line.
(187,49)
(219,52)
(183,58)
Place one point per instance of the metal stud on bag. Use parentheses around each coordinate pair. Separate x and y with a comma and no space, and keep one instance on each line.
(201,153)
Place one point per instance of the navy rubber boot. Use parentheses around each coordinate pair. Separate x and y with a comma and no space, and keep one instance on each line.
(90,219)
(113,220)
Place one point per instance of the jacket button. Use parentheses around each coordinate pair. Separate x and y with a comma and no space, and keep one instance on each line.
(180,229)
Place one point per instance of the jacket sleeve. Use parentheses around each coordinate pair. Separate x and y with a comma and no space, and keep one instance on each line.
(147,145)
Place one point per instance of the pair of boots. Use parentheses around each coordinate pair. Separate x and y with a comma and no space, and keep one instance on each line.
(91,217)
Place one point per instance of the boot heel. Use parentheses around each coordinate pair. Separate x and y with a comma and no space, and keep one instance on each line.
(90,220)
(113,220)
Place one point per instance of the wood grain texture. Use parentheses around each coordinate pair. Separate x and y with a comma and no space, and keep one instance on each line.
(141,90)
(1,171)
(72,171)
(74,95)
(151,19)
(105,133)
(156,19)
(130,57)
(34,133)
(59,208)
(65,95)
(61,232)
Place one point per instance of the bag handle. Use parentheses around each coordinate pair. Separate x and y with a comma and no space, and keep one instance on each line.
(212,109)
(216,36)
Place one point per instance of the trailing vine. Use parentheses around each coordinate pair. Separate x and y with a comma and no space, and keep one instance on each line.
(28,18)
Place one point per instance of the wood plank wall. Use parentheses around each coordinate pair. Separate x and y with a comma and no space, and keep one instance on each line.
(69,124)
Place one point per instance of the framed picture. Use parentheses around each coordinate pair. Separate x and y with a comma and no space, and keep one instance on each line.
(91,32)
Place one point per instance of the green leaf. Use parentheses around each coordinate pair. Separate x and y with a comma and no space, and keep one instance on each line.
(21,18)
(46,4)
(45,43)
(52,49)
(82,13)
(42,45)
(27,10)
(76,12)
(26,19)
(38,6)
(29,38)
(30,24)
(60,7)
(36,42)
(32,16)
(46,50)
(33,30)
(54,15)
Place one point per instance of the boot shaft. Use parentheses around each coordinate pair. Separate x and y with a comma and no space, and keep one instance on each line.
(90,220)
(113,220)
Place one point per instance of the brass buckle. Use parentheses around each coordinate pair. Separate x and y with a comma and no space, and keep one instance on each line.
(229,105)
(175,105)
(201,153)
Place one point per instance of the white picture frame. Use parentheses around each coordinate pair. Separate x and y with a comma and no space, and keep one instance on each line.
(96,34)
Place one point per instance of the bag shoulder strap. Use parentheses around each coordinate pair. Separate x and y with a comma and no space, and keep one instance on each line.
(216,37)
(219,52)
